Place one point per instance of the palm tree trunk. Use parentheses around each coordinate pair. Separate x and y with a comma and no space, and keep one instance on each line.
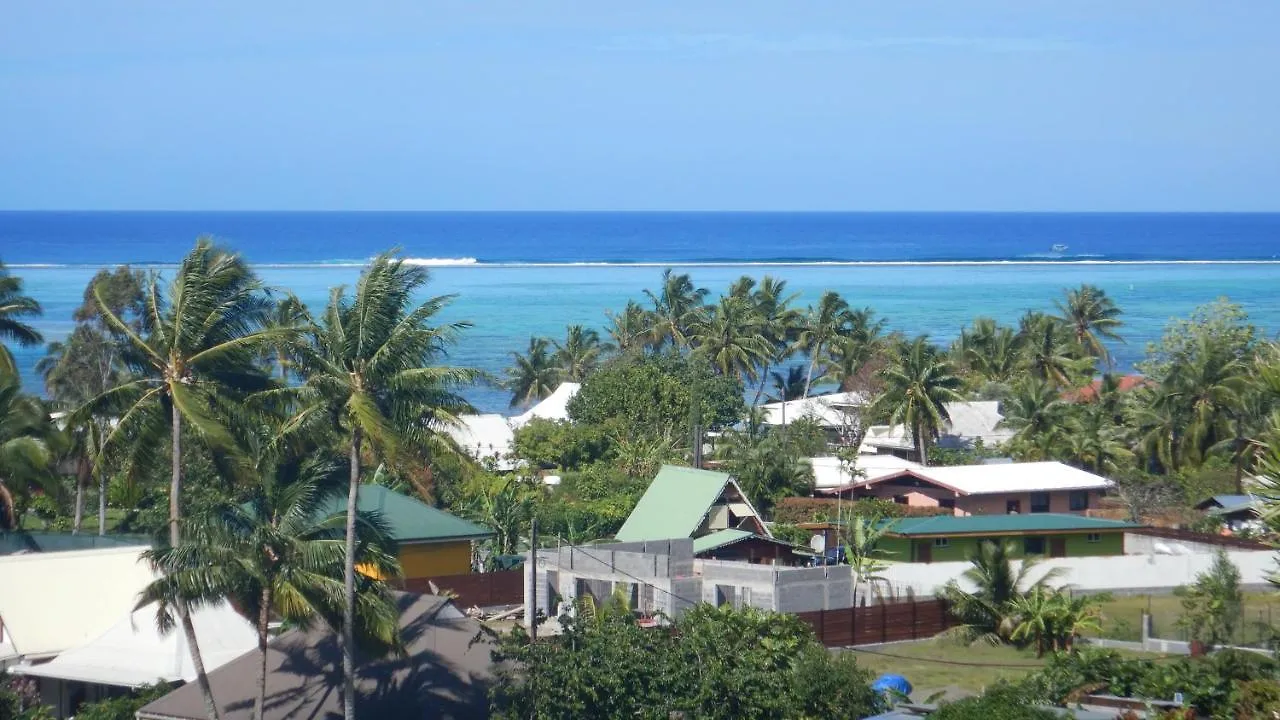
(102,503)
(7,520)
(764,378)
(264,615)
(175,537)
(83,472)
(349,577)
(922,445)
(813,361)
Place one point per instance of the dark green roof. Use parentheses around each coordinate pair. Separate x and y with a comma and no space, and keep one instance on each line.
(1003,524)
(732,536)
(674,505)
(14,542)
(409,520)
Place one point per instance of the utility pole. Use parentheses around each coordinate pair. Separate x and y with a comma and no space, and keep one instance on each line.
(532,606)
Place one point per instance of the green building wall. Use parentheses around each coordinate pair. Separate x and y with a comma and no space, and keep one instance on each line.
(961,547)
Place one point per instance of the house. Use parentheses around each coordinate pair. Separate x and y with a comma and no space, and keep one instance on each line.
(992,489)
(832,472)
(133,653)
(445,674)
(969,423)
(1236,512)
(490,437)
(830,411)
(431,542)
(709,507)
(948,537)
(51,602)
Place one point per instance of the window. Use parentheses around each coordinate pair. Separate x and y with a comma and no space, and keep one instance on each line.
(1079,500)
(900,499)
(1033,546)
(1013,507)
(1094,537)
(948,503)
(1040,502)
(942,542)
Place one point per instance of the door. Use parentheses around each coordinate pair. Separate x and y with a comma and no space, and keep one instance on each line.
(924,551)
(1057,547)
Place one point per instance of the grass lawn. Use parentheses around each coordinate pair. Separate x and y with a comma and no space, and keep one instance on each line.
(1122,616)
(933,665)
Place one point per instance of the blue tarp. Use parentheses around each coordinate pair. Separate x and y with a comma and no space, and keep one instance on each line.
(891,683)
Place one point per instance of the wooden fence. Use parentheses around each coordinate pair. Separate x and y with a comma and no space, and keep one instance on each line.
(479,589)
(873,624)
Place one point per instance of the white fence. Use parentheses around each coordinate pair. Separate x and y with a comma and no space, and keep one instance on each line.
(1120,574)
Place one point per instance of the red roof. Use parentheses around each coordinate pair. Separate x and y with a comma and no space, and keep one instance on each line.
(1089,392)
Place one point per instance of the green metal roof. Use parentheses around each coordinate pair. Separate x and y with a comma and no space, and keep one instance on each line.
(674,505)
(729,536)
(408,519)
(1002,524)
(21,541)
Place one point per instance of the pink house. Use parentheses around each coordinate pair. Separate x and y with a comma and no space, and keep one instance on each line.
(1007,488)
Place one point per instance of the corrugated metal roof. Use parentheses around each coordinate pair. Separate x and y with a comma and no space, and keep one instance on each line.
(1000,524)
(22,541)
(408,519)
(674,505)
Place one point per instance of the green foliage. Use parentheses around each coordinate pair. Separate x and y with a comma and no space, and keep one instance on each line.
(123,707)
(1257,699)
(1213,606)
(1002,701)
(590,504)
(804,509)
(768,466)
(712,663)
(564,445)
(917,385)
(653,396)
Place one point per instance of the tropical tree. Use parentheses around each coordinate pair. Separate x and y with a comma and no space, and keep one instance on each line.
(779,323)
(677,306)
(191,371)
(917,386)
(863,552)
(14,306)
(989,350)
(822,324)
(370,374)
(1032,616)
(579,354)
(628,330)
(1048,352)
(25,454)
(1213,606)
(1034,412)
(997,582)
(731,336)
(533,375)
(789,386)
(852,354)
(1091,317)
(503,504)
(281,555)
(1210,386)
(1093,443)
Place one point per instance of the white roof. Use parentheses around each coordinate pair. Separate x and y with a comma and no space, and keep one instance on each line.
(1013,478)
(829,473)
(483,436)
(970,421)
(133,652)
(53,601)
(826,409)
(553,407)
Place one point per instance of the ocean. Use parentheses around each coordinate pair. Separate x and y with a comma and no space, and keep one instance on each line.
(523,274)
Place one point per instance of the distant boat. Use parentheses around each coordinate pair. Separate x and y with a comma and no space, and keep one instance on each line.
(1059,248)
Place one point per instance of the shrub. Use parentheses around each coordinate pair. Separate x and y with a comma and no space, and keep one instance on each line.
(1257,699)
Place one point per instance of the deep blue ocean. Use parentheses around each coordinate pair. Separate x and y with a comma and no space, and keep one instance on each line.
(522,274)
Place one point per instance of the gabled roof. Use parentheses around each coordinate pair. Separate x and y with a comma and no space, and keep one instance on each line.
(444,674)
(828,410)
(1001,478)
(829,472)
(553,407)
(409,520)
(969,420)
(1226,502)
(676,503)
(1002,524)
(50,602)
(483,436)
(133,652)
(731,536)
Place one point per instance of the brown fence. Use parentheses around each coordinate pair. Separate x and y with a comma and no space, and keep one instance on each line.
(879,623)
(479,589)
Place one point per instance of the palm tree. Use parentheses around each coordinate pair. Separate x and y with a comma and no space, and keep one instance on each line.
(1047,351)
(851,354)
(369,373)
(825,322)
(580,353)
(278,555)
(997,583)
(917,387)
(732,337)
(628,329)
(533,375)
(1209,385)
(863,552)
(192,369)
(779,323)
(1093,443)
(1092,316)
(1033,411)
(1033,616)
(14,306)
(676,307)
(789,386)
(989,349)
(25,456)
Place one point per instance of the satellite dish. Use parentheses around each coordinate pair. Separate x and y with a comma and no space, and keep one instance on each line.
(819,543)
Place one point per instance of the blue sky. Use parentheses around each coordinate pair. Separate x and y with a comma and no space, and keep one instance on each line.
(544,105)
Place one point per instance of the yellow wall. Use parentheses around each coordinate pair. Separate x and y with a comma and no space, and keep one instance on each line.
(434,559)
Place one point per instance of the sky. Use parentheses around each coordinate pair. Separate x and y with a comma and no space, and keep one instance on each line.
(1161,105)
